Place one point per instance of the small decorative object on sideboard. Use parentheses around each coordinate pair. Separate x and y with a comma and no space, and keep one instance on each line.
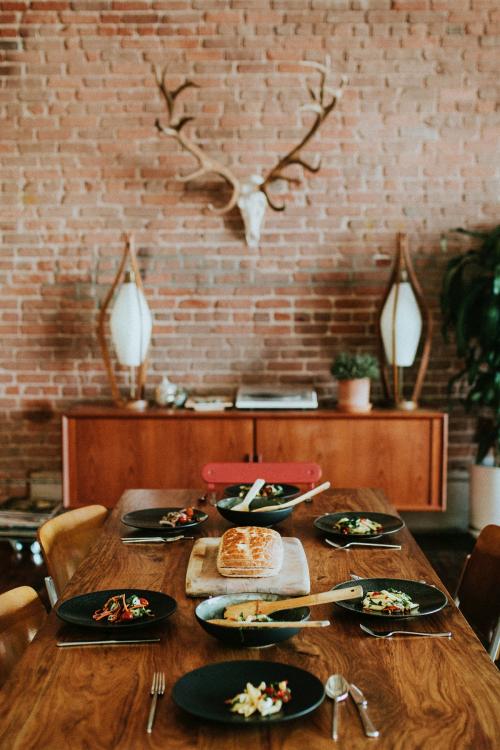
(470,304)
(131,325)
(354,373)
(170,394)
(402,315)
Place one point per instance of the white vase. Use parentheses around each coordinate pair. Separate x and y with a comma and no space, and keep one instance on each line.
(484,497)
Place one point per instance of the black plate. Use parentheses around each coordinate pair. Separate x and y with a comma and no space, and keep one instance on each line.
(289,491)
(79,609)
(149,520)
(390,524)
(203,691)
(429,598)
(213,608)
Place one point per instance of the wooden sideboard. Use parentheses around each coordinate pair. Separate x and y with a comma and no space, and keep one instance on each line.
(107,450)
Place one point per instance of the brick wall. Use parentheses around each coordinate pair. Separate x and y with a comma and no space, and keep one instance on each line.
(411,147)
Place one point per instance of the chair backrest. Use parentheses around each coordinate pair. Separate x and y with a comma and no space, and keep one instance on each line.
(21,616)
(66,539)
(295,472)
(479,588)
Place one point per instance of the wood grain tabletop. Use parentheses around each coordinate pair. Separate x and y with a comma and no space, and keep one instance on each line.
(422,692)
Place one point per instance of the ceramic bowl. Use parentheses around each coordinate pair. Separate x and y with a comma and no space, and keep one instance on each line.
(213,608)
(250,517)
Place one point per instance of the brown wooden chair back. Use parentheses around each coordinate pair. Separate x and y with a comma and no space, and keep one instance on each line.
(479,588)
(21,616)
(66,539)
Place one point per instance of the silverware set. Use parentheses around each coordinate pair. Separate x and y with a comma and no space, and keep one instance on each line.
(157,689)
(109,642)
(337,688)
(361,544)
(153,539)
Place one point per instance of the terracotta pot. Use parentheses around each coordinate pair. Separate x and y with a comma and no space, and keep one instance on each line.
(354,395)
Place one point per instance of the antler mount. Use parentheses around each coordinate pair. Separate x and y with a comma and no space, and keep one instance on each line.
(251,195)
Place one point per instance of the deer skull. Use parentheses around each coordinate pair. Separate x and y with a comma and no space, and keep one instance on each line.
(252,203)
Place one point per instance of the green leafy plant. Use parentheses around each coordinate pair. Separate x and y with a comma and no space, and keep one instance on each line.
(347,366)
(470,304)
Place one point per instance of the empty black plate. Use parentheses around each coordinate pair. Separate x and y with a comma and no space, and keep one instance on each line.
(79,609)
(149,519)
(390,524)
(288,491)
(203,691)
(429,598)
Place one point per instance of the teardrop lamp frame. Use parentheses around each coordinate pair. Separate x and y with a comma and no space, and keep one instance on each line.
(129,258)
(403,263)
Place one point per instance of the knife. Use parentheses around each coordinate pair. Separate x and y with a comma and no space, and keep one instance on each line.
(152,539)
(361,704)
(124,642)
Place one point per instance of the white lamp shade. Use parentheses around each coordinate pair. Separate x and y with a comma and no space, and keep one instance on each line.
(407,321)
(131,325)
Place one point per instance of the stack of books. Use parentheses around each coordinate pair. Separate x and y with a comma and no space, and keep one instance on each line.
(21,517)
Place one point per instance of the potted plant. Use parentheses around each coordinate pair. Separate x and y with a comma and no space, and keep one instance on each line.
(470,304)
(354,373)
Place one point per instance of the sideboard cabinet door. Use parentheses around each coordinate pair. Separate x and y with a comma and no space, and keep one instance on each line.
(103,457)
(405,457)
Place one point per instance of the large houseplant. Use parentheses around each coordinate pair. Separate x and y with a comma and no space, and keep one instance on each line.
(470,304)
(354,373)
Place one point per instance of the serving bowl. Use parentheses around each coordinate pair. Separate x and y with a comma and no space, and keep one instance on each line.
(250,517)
(281,491)
(213,609)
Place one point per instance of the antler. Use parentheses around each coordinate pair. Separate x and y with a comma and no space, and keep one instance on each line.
(175,128)
(322,108)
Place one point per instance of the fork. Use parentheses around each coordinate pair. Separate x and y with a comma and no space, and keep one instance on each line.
(361,544)
(157,688)
(390,633)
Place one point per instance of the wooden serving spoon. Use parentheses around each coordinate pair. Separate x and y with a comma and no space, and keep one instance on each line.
(252,492)
(295,501)
(261,607)
(275,624)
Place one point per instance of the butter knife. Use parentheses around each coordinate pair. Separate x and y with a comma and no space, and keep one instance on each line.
(124,642)
(152,539)
(361,704)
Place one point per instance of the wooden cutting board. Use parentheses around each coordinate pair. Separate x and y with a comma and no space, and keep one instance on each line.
(203,578)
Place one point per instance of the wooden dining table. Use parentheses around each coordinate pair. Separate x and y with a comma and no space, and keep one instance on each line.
(437,693)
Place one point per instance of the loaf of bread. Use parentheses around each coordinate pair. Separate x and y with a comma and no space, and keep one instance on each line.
(250,552)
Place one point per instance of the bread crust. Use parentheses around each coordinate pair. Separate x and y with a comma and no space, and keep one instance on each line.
(250,552)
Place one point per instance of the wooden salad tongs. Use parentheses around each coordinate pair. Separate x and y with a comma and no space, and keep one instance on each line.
(295,501)
(261,607)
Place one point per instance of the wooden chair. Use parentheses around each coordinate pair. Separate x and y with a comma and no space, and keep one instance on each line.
(66,539)
(478,592)
(294,472)
(21,616)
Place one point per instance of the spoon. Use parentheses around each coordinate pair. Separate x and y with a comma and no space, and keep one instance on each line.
(252,492)
(296,500)
(336,688)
